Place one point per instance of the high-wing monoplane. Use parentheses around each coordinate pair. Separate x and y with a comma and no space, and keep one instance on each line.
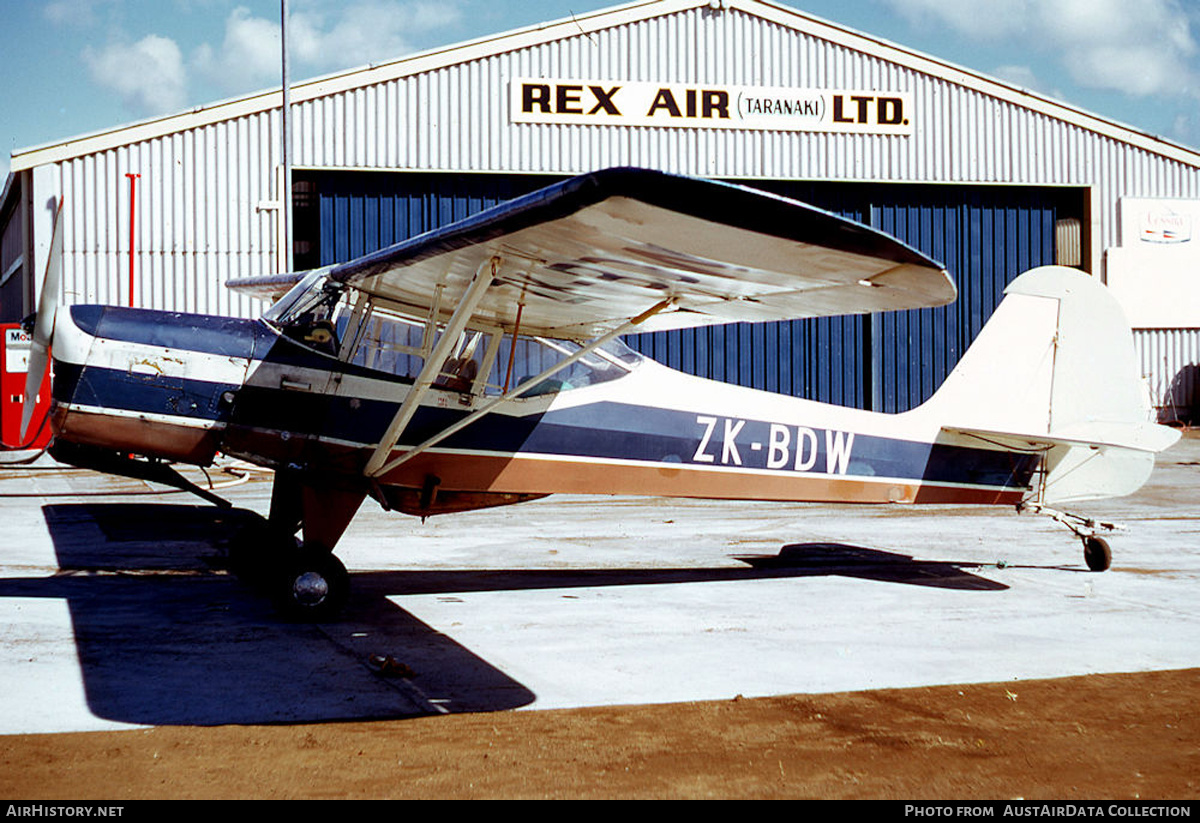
(480,364)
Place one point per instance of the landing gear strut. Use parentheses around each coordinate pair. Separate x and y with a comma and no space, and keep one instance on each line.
(303,579)
(1096,552)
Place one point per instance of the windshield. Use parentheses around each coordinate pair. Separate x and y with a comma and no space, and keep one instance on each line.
(311,312)
(342,322)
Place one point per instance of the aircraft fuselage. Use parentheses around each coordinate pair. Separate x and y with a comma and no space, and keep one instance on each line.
(184,387)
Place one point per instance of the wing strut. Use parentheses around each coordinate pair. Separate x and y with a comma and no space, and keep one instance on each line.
(493,404)
(484,276)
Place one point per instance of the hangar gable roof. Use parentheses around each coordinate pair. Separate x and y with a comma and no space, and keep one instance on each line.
(581,26)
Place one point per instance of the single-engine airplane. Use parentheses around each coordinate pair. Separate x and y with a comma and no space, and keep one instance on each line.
(479,365)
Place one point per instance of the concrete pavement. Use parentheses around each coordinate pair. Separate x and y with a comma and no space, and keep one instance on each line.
(116,609)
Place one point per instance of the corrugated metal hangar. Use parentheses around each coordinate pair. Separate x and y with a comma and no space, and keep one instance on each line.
(990,179)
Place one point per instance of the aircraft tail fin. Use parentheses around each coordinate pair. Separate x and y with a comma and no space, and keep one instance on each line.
(1055,371)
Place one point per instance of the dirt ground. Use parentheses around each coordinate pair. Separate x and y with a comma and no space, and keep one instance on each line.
(1128,736)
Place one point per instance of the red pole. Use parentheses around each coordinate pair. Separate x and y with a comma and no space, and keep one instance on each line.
(132,200)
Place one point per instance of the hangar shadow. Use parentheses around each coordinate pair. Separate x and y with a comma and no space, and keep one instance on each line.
(165,636)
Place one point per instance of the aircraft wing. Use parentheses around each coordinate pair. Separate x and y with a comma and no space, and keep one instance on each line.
(584,255)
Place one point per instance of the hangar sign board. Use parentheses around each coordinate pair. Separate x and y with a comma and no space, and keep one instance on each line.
(1155,271)
(1160,221)
(710,106)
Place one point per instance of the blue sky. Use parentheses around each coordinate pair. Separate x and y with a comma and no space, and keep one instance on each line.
(76,66)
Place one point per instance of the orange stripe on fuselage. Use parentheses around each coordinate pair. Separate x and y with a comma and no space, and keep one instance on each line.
(542,475)
(536,474)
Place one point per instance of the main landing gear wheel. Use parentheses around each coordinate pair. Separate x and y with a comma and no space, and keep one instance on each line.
(1096,553)
(255,552)
(312,585)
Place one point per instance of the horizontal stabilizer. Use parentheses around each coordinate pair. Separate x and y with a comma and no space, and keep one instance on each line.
(1145,436)
(1110,464)
(1054,373)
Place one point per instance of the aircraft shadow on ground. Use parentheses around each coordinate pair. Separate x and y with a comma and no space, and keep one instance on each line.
(808,559)
(797,560)
(165,636)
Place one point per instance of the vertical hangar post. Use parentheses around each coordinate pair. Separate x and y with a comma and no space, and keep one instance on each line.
(989,178)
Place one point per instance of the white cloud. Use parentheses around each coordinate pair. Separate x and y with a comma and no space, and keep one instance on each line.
(247,58)
(1133,69)
(74,12)
(1142,48)
(319,41)
(1022,76)
(152,76)
(979,19)
(149,75)
(367,31)
(1186,129)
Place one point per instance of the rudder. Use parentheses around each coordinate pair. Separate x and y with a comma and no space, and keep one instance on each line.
(1054,370)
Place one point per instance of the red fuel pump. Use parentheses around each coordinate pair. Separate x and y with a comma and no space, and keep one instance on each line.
(14,365)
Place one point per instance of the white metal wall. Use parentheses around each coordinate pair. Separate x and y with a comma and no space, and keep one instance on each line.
(457,119)
(1169,359)
(207,199)
(205,211)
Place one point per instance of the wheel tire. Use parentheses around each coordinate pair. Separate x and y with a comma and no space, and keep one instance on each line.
(1096,553)
(313,586)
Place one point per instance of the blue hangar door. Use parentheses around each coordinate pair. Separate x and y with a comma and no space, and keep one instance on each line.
(985,235)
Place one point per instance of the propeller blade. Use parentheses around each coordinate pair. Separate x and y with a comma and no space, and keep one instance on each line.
(43,324)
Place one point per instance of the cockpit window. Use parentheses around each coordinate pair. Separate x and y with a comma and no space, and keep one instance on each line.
(389,343)
(535,355)
(338,321)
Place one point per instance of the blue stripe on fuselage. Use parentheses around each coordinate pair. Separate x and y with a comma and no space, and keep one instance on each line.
(158,394)
(211,334)
(603,430)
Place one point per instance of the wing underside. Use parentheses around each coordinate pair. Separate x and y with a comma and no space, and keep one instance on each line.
(579,258)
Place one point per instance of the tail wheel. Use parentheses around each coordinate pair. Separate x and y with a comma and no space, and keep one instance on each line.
(1096,553)
(312,586)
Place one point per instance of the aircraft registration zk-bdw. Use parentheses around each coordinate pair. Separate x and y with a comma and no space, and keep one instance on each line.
(479,364)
